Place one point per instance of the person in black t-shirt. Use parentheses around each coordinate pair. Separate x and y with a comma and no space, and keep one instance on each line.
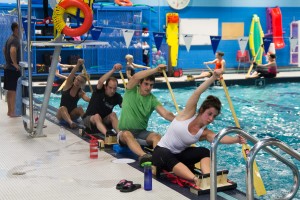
(12,54)
(99,113)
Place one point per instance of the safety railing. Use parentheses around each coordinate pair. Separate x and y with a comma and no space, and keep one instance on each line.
(262,144)
(213,154)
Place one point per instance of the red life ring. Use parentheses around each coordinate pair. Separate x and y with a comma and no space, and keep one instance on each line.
(123,2)
(88,17)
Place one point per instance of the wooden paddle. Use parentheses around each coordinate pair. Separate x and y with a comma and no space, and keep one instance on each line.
(258,182)
(123,80)
(253,60)
(87,77)
(171,91)
(62,86)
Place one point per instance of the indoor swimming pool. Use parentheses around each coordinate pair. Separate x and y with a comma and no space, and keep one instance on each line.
(270,111)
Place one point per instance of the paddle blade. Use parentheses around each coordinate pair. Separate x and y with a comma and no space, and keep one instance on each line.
(258,182)
(62,86)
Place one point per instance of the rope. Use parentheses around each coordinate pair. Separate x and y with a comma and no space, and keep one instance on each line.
(58,20)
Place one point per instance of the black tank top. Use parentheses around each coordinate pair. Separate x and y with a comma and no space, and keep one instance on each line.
(68,101)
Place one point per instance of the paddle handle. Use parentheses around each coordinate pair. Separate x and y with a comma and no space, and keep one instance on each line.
(62,85)
(123,80)
(87,77)
(228,99)
(230,103)
(251,66)
(171,91)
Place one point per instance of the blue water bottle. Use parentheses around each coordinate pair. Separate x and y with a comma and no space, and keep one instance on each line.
(147,176)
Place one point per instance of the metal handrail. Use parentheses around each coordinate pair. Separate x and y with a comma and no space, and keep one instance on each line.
(213,155)
(250,159)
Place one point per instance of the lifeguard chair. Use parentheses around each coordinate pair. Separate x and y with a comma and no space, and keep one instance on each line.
(242,58)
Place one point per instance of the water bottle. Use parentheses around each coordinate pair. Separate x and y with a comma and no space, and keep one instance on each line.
(62,135)
(147,176)
(93,148)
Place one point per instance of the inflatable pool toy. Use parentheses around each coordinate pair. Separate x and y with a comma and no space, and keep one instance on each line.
(123,2)
(274,25)
(256,39)
(172,34)
(58,18)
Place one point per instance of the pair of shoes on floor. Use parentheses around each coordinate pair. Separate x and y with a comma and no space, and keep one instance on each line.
(145,158)
(127,186)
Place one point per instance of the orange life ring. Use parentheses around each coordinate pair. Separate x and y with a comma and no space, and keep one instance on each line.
(123,2)
(88,17)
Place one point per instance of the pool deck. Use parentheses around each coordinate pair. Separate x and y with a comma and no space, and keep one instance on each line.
(44,168)
(231,78)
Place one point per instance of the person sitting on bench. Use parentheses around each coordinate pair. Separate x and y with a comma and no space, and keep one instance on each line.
(174,152)
(99,115)
(71,93)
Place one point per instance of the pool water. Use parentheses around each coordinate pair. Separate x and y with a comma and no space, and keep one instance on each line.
(270,111)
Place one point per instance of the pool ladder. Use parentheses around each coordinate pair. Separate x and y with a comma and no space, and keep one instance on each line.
(262,144)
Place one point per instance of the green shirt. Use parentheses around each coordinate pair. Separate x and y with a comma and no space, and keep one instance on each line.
(136,109)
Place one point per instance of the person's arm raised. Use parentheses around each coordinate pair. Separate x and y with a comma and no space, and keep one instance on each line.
(103,78)
(139,66)
(191,105)
(142,74)
(72,74)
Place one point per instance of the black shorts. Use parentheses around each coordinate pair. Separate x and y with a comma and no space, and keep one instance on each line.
(92,127)
(163,158)
(11,79)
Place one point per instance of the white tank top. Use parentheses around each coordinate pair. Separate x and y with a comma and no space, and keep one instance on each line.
(178,137)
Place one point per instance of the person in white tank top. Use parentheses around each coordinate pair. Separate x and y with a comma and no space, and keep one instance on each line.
(174,151)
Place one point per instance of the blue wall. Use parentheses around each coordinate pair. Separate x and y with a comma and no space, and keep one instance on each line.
(199,54)
(225,11)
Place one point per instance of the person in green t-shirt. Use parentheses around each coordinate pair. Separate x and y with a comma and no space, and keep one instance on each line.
(137,107)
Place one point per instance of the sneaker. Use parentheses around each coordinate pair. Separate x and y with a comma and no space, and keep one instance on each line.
(145,158)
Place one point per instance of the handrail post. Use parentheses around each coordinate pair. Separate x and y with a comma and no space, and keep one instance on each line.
(251,157)
(213,153)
